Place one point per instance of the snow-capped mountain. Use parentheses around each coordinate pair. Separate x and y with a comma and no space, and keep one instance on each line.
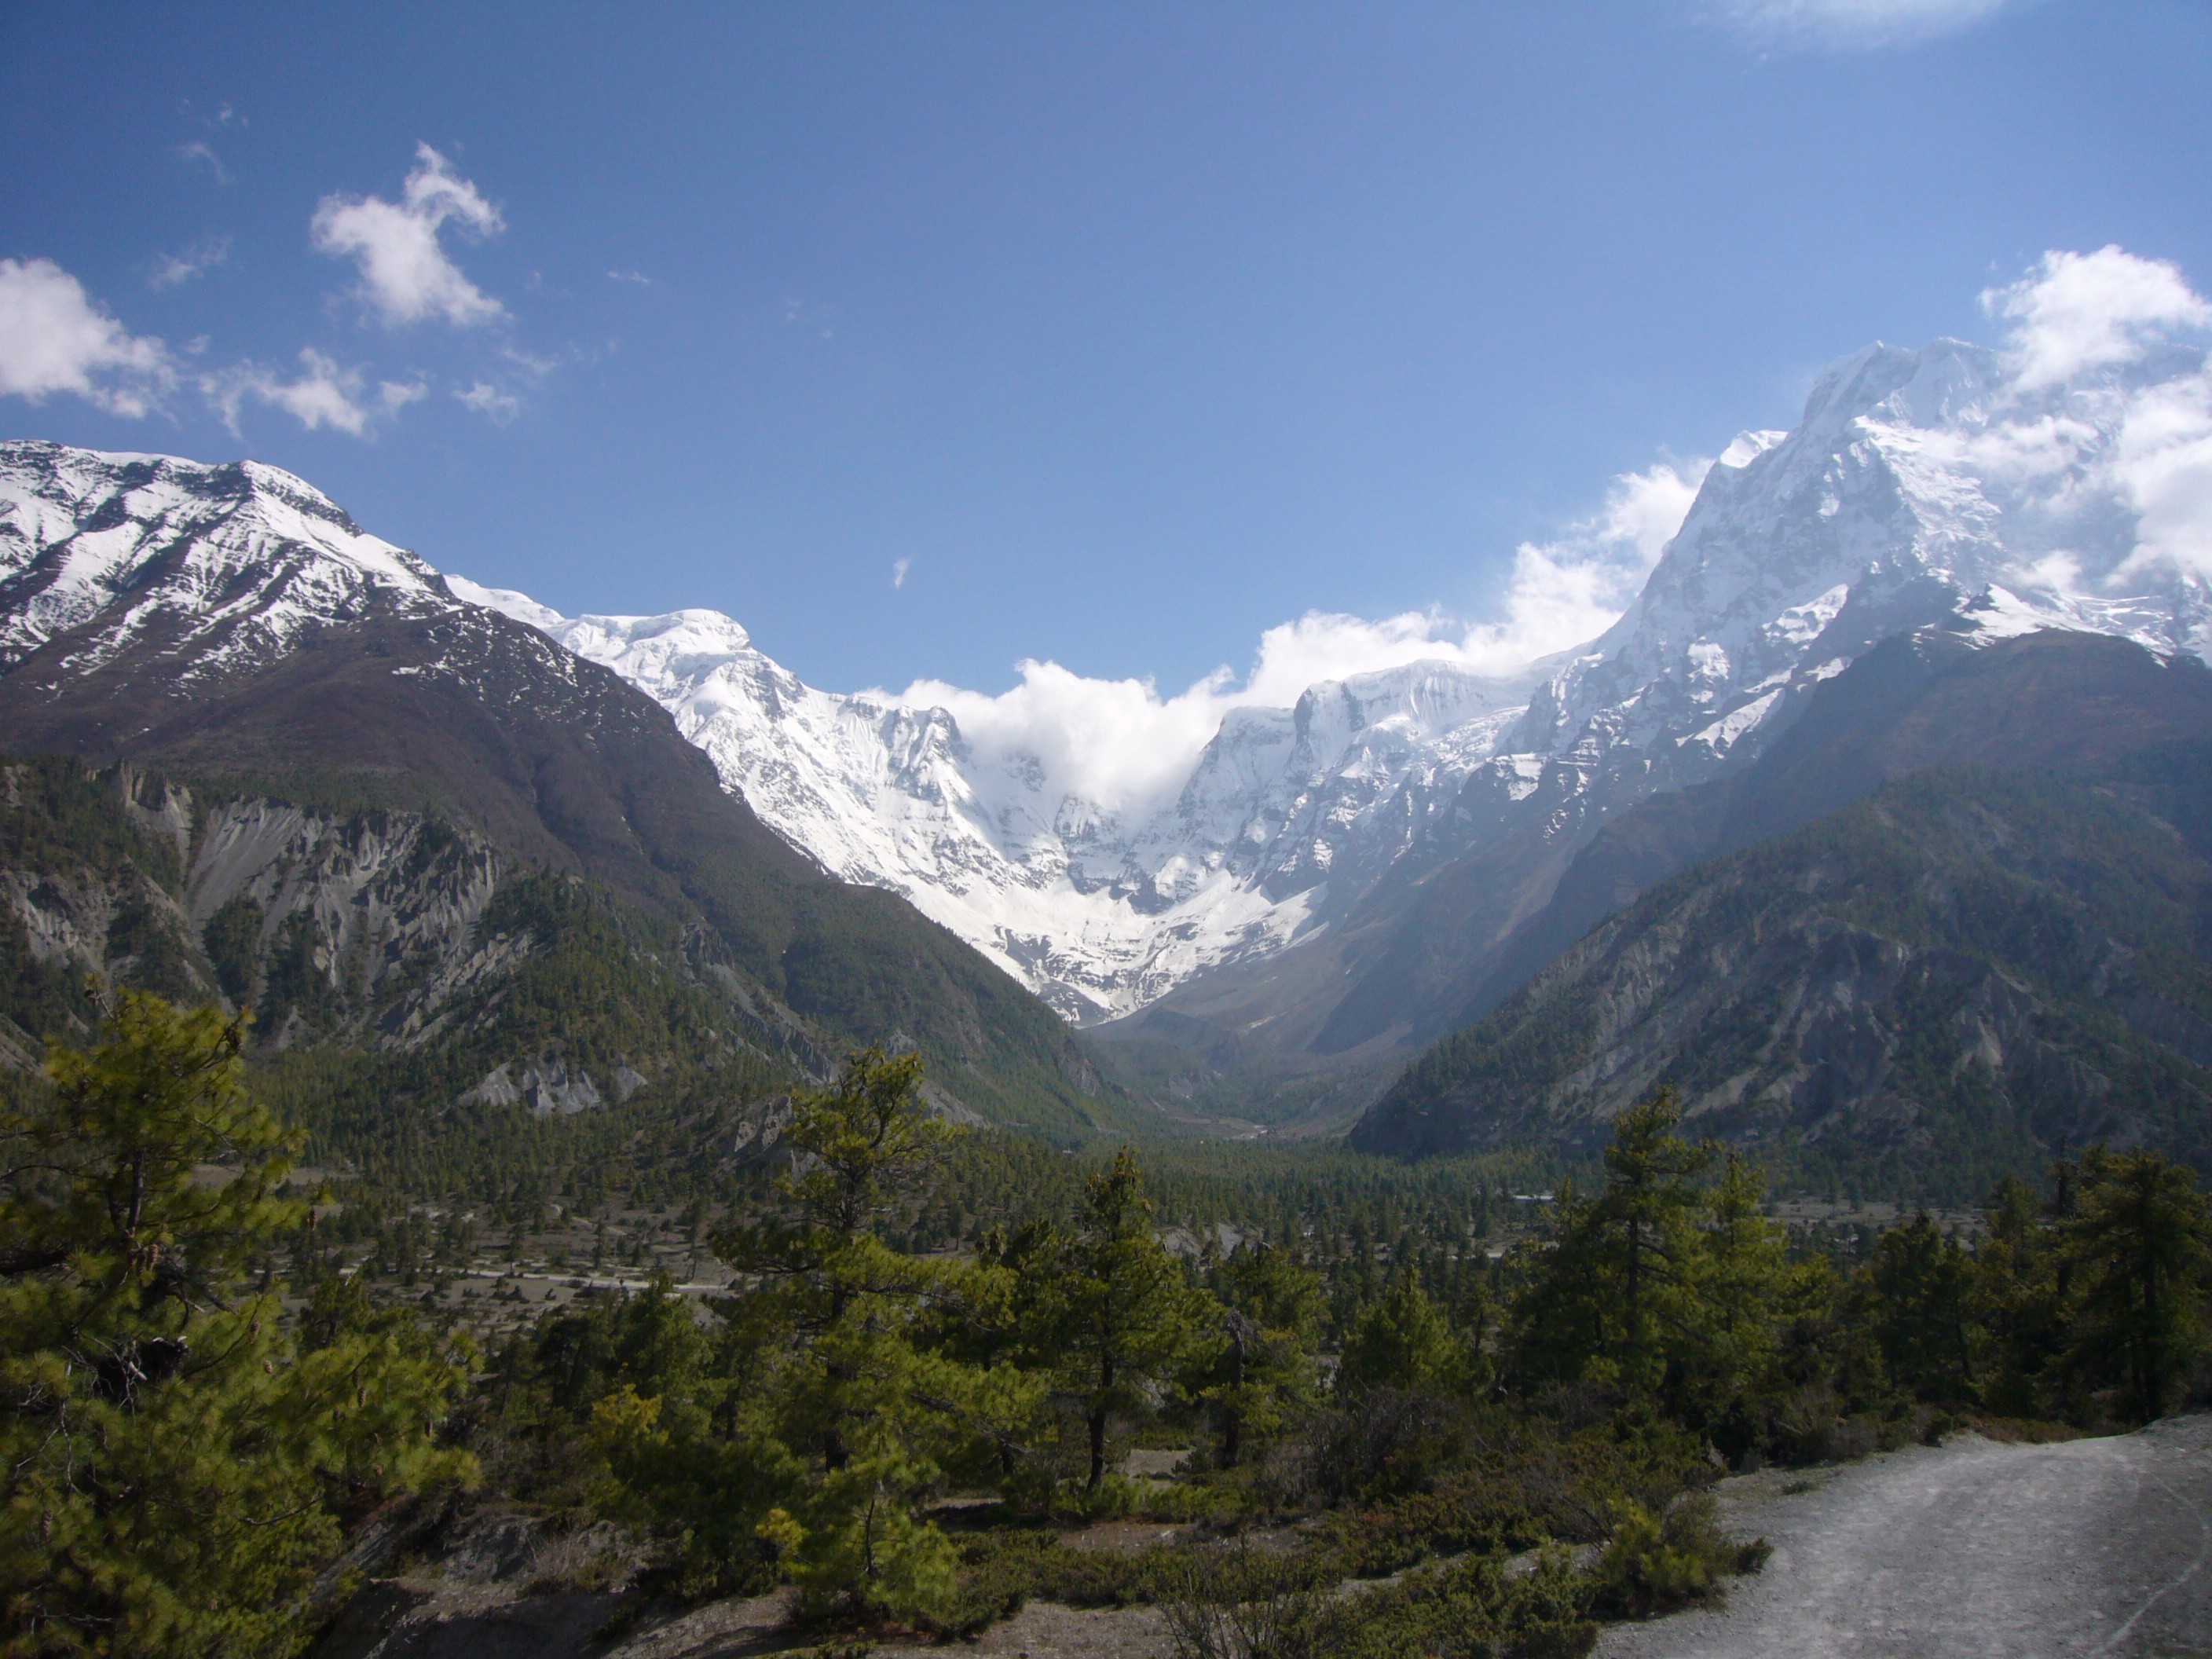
(228,566)
(1919,487)
(1285,809)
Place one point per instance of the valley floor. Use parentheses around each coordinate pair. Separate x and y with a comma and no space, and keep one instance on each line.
(1969,1551)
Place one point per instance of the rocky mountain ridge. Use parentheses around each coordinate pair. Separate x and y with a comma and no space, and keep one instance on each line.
(1904,495)
(231,627)
(1326,873)
(1951,922)
(1284,811)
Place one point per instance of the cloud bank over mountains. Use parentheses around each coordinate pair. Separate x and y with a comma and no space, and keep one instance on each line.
(1119,744)
(2102,419)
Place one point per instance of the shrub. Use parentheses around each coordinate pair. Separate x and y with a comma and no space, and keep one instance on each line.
(1655,1564)
(1233,1601)
(1470,1608)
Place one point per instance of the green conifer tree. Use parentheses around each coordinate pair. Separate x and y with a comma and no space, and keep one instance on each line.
(1265,1372)
(2138,1249)
(1617,1297)
(1108,1312)
(175,1462)
(1403,1341)
(859,1393)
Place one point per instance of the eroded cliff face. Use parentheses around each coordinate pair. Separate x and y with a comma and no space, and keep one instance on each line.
(380,930)
(371,916)
(362,926)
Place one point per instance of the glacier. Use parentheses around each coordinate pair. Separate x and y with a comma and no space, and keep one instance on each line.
(1098,915)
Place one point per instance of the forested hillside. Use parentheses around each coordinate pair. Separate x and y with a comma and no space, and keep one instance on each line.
(237,631)
(446,1015)
(1947,982)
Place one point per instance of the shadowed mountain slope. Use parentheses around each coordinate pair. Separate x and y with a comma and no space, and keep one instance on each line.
(1950,981)
(229,626)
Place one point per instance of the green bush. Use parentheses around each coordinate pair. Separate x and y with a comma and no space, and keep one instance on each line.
(1471,1609)
(1655,1564)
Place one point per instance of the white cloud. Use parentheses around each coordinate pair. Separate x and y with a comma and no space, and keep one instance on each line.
(2161,465)
(202,154)
(1119,744)
(636,276)
(2079,312)
(203,256)
(406,276)
(2108,410)
(54,338)
(899,567)
(1853,23)
(2097,442)
(489,401)
(323,394)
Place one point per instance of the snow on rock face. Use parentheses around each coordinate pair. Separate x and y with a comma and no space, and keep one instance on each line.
(1921,487)
(1097,915)
(236,560)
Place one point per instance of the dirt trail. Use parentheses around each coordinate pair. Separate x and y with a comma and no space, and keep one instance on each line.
(1970,1551)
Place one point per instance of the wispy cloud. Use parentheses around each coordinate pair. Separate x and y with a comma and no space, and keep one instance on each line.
(201,154)
(899,567)
(637,276)
(493,403)
(1852,24)
(406,275)
(323,394)
(54,338)
(202,257)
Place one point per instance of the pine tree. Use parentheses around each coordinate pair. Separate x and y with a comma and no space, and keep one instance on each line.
(1617,1297)
(175,1462)
(2138,1250)
(2017,1313)
(1921,1285)
(860,1394)
(1265,1372)
(1404,1342)
(1108,1311)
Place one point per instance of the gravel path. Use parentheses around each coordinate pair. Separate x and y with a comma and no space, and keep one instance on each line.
(1970,1551)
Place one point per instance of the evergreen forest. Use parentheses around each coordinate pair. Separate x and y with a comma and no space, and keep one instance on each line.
(908,1373)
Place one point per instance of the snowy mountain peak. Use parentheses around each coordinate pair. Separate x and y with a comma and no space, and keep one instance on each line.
(1947,486)
(233,561)
(1099,912)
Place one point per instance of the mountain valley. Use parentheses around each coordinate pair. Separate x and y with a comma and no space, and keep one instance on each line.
(1331,889)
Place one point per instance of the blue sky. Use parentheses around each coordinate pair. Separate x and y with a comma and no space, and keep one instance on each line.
(1134,332)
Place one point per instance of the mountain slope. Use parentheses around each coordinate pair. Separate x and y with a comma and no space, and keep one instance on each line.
(1955,977)
(1920,488)
(1098,908)
(2081,703)
(232,625)
(1322,889)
